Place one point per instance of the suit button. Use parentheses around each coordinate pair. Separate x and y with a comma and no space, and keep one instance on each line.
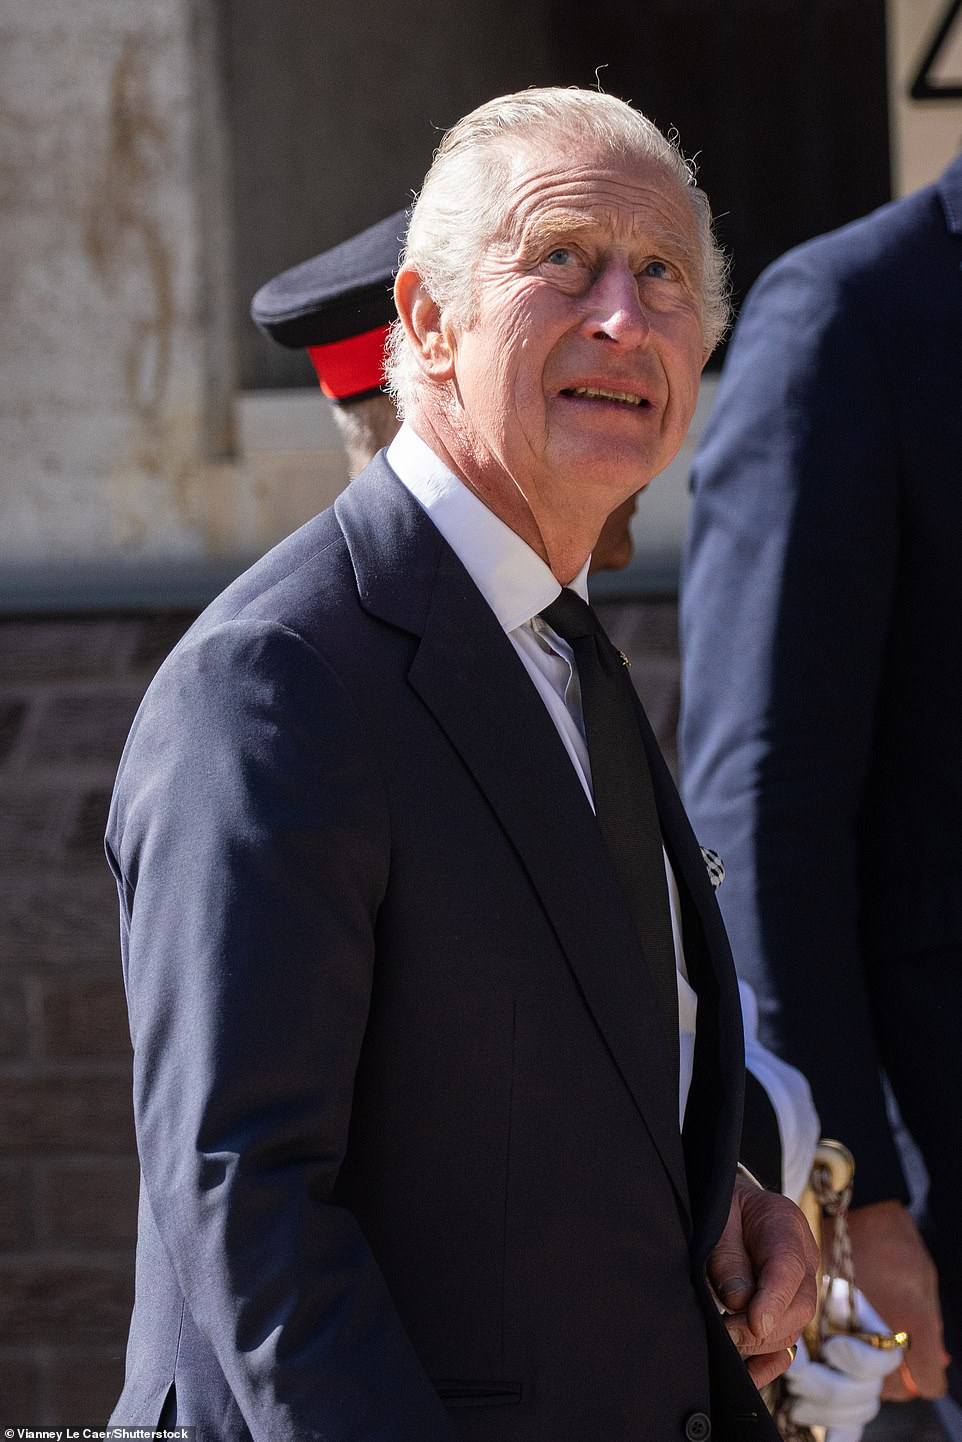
(698,1427)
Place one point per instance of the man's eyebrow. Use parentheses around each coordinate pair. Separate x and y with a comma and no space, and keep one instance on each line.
(676,246)
(554,224)
(560,225)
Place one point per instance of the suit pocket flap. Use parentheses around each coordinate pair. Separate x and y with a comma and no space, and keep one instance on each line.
(457,1392)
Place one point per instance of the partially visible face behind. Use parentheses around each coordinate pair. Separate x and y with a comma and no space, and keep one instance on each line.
(365,426)
(578,376)
(615,547)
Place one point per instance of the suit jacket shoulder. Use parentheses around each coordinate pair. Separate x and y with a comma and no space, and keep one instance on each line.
(819,719)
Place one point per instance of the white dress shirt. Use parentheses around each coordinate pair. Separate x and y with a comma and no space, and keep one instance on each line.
(517,585)
(789,1093)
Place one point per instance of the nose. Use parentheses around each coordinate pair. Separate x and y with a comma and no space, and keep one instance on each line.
(615,311)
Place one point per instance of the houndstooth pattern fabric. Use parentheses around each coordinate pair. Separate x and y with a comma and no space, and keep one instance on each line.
(716,867)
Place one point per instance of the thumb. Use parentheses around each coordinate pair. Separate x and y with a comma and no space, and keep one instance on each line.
(729,1267)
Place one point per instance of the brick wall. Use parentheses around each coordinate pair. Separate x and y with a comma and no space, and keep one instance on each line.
(68,1176)
(69,687)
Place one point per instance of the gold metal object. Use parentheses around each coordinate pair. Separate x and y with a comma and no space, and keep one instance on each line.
(832,1170)
(836,1162)
(624,659)
(881,1341)
(792,1352)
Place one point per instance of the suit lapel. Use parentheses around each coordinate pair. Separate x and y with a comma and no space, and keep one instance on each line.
(469,676)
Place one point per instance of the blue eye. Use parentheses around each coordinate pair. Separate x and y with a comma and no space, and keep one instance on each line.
(658,269)
(561,256)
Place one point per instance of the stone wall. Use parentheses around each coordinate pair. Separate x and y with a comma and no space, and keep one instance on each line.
(119,430)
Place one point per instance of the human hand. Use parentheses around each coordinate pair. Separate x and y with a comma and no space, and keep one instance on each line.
(843,1389)
(763,1272)
(897,1275)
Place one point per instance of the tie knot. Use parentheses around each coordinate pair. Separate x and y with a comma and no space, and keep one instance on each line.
(571,617)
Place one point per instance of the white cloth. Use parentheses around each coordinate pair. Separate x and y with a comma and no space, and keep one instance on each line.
(843,1390)
(517,585)
(798,1124)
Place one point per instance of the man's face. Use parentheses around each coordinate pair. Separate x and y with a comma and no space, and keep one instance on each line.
(578,375)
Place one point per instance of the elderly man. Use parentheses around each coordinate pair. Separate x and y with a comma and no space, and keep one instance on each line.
(438,1063)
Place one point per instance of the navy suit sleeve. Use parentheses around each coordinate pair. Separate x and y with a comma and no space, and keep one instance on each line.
(788,589)
(250,837)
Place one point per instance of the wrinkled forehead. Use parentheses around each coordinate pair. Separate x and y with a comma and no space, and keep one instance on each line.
(573,184)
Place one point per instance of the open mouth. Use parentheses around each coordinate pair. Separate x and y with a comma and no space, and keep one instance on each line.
(598,393)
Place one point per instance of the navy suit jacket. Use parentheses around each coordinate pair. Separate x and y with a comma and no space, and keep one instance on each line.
(822,686)
(409,1141)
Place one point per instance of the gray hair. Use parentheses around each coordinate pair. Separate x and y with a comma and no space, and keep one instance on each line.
(464,201)
(365,426)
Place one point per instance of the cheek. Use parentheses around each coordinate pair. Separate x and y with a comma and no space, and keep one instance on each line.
(503,369)
(513,386)
(687,352)
(538,362)
(492,391)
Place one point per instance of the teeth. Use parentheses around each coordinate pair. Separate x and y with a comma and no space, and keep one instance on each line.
(607,395)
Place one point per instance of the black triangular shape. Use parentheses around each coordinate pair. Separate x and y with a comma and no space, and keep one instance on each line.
(923,86)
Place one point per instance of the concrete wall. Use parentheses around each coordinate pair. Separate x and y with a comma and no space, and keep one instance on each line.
(101,391)
(117,408)
(924,134)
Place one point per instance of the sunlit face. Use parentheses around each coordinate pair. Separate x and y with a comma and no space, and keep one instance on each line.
(577,377)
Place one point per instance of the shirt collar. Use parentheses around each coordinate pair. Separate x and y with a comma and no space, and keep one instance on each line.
(511,577)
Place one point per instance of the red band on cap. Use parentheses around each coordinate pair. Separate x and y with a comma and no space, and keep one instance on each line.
(349,367)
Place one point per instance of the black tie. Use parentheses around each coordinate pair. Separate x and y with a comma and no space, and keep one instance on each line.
(623,793)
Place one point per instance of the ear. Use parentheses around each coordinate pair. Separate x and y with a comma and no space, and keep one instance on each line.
(421,318)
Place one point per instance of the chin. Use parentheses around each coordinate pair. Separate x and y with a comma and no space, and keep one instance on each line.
(617,470)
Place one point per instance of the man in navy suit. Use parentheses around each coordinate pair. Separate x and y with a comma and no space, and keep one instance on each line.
(420,1158)
(822,709)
